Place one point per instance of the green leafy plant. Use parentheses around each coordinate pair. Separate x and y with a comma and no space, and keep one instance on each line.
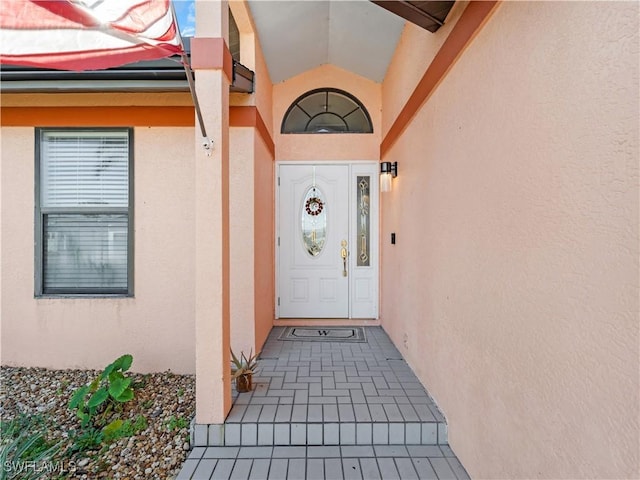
(95,402)
(122,429)
(89,438)
(99,402)
(176,423)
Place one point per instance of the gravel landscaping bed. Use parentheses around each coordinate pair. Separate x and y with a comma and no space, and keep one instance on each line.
(156,451)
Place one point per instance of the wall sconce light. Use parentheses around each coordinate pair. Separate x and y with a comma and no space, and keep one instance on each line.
(388,171)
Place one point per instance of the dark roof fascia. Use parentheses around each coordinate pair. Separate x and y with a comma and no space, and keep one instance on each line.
(164,75)
(243,79)
(429,15)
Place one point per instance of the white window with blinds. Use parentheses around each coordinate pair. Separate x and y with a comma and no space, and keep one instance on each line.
(83,224)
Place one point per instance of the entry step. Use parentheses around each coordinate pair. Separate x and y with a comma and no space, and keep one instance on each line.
(319,434)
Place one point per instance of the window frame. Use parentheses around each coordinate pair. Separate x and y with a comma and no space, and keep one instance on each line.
(39,242)
(360,106)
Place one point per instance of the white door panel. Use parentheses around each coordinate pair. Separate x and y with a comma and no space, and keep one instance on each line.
(312,284)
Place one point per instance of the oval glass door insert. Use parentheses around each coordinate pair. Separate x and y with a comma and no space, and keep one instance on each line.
(314,221)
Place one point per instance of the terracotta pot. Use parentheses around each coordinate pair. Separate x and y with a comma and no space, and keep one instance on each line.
(244,383)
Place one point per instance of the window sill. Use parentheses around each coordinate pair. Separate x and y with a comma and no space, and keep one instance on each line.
(87,296)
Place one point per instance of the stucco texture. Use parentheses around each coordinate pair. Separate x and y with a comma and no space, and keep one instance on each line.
(252,57)
(252,204)
(264,242)
(314,147)
(92,332)
(415,51)
(251,240)
(513,287)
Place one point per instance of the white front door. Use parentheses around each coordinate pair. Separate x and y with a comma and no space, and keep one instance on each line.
(321,271)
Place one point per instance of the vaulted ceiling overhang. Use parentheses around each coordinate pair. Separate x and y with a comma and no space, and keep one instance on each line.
(298,36)
(429,15)
(356,35)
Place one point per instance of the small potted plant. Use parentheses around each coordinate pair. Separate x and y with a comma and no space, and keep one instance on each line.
(242,370)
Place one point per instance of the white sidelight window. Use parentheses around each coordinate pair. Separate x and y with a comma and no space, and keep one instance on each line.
(84,212)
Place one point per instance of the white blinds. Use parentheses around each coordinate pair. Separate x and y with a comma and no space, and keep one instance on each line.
(84,169)
(85,253)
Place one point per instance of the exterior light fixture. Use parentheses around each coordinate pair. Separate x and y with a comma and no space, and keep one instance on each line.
(388,171)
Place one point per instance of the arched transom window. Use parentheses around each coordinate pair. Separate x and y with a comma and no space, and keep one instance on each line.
(327,110)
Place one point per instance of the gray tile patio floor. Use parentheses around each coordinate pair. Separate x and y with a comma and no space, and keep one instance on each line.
(327,410)
(364,462)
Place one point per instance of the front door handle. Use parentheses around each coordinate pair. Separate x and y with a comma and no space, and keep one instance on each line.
(344,254)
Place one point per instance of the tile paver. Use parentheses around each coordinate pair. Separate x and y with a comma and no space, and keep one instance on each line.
(328,411)
(457,468)
(406,469)
(222,470)
(443,469)
(260,469)
(265,434)
(255,452)
(241,469)
(315,469)
(205,468)
(333,468)
(297,469)
(370,469)
(358,451)
(351,469)
(388,469)
(424,468)
(412,433)
(364,433)
(278,469)
(347,433)
(249,434)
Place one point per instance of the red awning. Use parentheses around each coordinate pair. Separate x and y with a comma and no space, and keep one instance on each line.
(86,34)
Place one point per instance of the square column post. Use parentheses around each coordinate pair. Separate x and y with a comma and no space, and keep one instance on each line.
(211,62)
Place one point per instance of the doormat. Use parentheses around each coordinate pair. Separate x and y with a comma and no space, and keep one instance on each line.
(324,334)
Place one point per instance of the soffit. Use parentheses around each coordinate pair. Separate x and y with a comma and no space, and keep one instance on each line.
(297,36)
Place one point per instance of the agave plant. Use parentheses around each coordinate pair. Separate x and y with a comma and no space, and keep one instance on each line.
(242,369)
(244,364)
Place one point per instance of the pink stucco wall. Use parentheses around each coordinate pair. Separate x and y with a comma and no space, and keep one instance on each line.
(251,206)
(327,147)
(252,57)
(513,288)
(264,248)
(414,52)
(252,234)
(242,239)
(91,332)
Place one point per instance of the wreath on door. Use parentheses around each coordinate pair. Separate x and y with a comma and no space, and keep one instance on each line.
(314,206)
